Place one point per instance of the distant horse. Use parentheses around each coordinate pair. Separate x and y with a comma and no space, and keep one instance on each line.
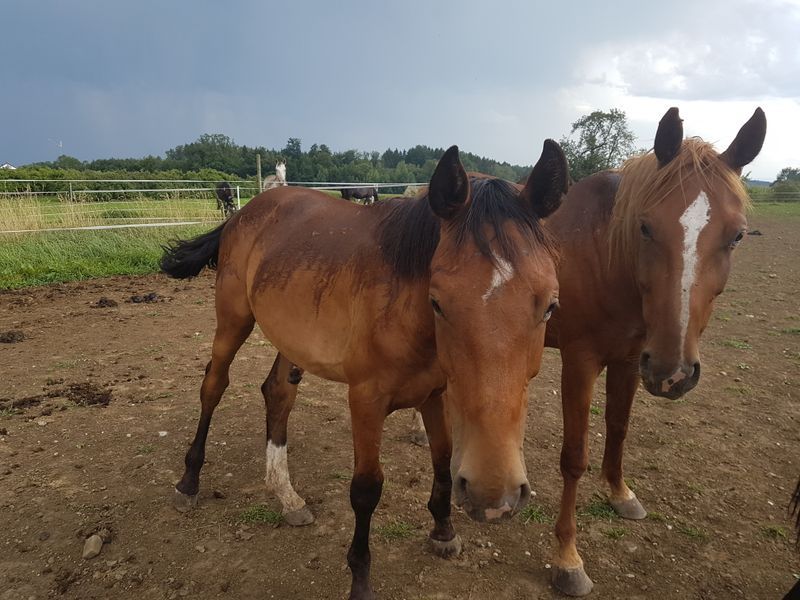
(368,195)
(646,250)
(277,180)
(225,200)
(448,290)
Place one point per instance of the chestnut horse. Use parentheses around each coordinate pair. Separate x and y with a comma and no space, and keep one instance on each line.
(399,300)
(646,250)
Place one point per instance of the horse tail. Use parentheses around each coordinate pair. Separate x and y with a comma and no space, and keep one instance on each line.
(186,258)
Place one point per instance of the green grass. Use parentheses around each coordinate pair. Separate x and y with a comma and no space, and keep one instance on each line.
(395,530)
(777,209)
(595,410)
(738,344)
(791,330)
(146,449)
(656,516)
(259,513)
(774,532)
(615,533)
(690,531)
(533,513)
(39,258)
(598,508)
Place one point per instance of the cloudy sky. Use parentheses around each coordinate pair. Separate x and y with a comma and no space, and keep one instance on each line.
(101,78)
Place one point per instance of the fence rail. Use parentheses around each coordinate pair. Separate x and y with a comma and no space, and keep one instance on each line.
(76,206)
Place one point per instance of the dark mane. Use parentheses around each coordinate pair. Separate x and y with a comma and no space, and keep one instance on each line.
(409,233)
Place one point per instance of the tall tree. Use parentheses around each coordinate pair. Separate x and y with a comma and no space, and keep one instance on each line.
(598,141)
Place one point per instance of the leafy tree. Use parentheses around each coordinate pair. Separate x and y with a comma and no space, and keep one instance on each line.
(598,141)
(68,162)
(293,148)
(788,174)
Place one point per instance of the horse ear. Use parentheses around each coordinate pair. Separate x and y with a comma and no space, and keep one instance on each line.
(548,181)
(747,144)
(668,137)
(449,187)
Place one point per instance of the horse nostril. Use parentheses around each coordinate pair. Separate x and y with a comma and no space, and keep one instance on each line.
(644,361)
(461,485)
(695,375)
(524,495)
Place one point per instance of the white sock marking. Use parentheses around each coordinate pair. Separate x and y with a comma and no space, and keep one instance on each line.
(694,219)
(502,273)
(277,478)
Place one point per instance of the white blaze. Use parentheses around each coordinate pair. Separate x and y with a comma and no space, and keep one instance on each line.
(277,478)
(694,219)
(502,273)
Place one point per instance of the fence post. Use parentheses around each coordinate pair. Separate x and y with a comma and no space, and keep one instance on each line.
(238,199)
(258,171)
(71,194)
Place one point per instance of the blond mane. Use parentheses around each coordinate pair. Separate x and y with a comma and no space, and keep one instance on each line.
(643,186)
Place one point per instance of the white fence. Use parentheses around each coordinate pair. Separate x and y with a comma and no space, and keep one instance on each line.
(82,204)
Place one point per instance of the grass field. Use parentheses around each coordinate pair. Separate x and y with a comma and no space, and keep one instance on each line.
(53,256)
(28,259)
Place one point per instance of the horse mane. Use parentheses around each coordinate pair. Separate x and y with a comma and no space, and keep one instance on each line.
(409,232)
(644,185)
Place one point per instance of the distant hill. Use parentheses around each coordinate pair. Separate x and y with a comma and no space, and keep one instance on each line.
(758,183)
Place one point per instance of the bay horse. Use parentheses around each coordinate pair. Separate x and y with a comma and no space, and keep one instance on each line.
(368,195)
(646,250)
(399,300)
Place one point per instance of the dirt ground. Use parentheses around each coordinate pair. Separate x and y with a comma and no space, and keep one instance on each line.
(98,405)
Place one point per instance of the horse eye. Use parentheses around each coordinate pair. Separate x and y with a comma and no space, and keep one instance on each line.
(739,237)
(436,308)
(646,231)
(549,312)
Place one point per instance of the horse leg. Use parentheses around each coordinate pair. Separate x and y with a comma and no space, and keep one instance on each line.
(232,331)
(443,538)
(418,434)
(279,391)
(578,375)
(367,417)
(622,379)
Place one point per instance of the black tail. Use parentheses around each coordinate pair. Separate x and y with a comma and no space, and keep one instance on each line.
(186,258)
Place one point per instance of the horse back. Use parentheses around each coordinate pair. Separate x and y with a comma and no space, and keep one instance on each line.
(594,295)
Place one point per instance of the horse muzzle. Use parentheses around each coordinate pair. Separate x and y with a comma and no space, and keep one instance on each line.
(671,382)
(489,507)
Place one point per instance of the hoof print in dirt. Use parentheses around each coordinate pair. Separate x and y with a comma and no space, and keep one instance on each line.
(104,302)
(146,298)
(11,337)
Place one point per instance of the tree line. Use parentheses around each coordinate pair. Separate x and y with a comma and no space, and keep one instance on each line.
(219,157)
(597,141)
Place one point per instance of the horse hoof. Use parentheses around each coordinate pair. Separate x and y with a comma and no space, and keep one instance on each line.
(629,509)
(183,503)
(572,582)
(420,438)
(298,518)
(448,549)
(362,593)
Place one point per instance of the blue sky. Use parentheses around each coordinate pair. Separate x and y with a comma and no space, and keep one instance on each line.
(96,79)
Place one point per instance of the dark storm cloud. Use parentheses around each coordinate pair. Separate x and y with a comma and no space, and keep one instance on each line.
(134,78)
